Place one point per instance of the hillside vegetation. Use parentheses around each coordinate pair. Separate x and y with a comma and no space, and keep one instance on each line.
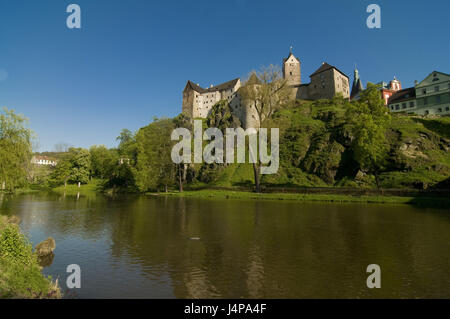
(315,151)
(327,143)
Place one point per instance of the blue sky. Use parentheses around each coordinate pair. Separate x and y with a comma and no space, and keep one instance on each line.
(131,59)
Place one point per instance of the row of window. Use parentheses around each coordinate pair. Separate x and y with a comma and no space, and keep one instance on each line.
(439,110)
(411,105)
(436,88)
(434,99)
(210,101)
(403,106)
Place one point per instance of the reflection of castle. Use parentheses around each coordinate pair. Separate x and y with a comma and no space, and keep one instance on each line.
(326,82)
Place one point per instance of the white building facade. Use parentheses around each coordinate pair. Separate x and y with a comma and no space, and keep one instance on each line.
(429,97)
(43,160)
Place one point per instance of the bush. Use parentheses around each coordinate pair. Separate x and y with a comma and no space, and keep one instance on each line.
(14,245)
(20,273)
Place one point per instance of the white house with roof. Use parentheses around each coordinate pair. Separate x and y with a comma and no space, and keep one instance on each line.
(429,97)
(433,94)
(43,160)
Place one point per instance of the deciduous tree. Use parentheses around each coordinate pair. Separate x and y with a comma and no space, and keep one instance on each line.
(264,92)
(15,149)
(368,119)
(154,164)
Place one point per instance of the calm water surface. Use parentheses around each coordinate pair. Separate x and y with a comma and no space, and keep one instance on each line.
(142,247)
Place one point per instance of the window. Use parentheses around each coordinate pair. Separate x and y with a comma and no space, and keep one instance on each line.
(427,112)
(447,109)
(436,88)
(403,105)
(424,91)
(392,107)
(290,73)
(397,107)
(439,110)
(425,101)
(438,98)
(411,104)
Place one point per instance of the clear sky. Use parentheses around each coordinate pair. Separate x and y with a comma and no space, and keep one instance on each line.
(131,59)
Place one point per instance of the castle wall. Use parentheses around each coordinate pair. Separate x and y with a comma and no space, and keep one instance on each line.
(247,114)
(188,103)
(205,103)
(199,105)
(301,92)
(328,84)
(322,85)
(341,84)
(229,94)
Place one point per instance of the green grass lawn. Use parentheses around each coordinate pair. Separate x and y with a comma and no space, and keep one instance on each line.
(435,202)
(94,186)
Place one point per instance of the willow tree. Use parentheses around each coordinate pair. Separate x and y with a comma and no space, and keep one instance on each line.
(263,93)
(15,149)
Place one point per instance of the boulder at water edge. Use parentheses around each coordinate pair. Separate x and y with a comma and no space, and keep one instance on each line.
(46,247)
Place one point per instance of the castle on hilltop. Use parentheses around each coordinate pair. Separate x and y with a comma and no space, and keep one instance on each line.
(326,82)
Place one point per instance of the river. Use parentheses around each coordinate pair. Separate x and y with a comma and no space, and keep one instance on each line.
(169,247)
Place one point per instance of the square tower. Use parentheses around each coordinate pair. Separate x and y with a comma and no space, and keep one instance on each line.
(292,70)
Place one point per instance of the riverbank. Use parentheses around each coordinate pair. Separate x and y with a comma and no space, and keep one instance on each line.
(94,186)
(334,195)
(20,273)
(334,198)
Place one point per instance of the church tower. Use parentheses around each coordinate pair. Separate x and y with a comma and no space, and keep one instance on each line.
(357,85)
(395,85)
(292,69)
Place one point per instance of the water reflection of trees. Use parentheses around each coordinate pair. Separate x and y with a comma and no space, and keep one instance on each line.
(259,249)
(269,249)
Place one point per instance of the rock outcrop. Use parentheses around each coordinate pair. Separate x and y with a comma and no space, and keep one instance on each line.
(45,248)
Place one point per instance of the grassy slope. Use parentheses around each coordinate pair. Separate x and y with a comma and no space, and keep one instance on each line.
(429,164)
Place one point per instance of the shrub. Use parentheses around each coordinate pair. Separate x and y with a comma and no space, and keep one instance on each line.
(14,245)
(20,273)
